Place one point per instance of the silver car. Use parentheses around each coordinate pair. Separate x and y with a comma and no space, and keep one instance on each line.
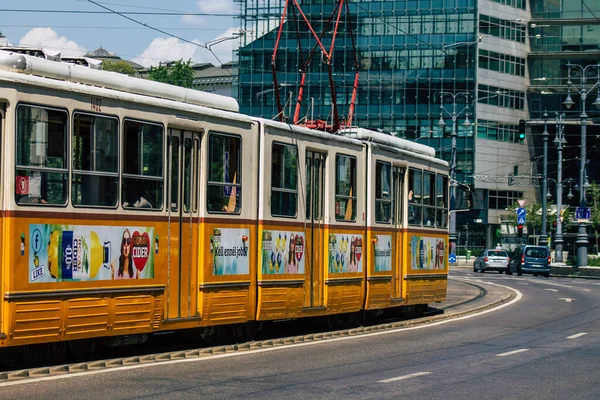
(493,260)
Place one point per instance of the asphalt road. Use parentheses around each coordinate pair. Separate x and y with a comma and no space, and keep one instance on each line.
(544,344)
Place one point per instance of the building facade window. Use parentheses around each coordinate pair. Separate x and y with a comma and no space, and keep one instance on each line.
(503,63)
(502,199)
(502,28)
(521,4)
(500,97)
(492,130)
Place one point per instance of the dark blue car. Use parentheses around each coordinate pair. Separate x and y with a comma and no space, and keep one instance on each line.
(530,259)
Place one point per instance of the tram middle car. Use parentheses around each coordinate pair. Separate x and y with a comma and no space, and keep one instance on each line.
(131,207)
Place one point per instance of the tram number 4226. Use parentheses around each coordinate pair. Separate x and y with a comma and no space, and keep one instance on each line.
(96,104)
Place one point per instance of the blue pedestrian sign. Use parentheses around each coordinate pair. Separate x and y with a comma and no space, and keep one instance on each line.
(452,258)
(521,216)
(583,213)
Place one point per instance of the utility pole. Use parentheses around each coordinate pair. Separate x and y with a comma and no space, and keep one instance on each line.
(583,90)
(559,141)
(545,135)
(453,182)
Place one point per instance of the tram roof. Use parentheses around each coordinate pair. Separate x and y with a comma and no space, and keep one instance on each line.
(25,64)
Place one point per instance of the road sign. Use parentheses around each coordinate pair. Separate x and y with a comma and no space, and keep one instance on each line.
(521,203)
(583,214)
(452,258)
(521,216)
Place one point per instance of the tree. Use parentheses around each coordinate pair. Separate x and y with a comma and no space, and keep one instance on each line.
(593,201)
(534,217)
(119,66)
(177,73)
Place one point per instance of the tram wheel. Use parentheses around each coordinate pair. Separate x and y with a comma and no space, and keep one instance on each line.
(79,349)
(9,356)
(56,353)
(332,321)
(251,329)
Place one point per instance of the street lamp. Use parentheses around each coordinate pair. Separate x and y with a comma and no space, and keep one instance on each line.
(545,135)
(582,237)
(559,141)
(453,135)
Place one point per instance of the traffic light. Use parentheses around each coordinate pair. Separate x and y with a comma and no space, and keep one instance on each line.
(520,230)
(521,130)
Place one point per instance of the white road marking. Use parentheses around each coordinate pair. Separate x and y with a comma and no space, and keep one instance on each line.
(586,290)
(511,352)
(400,378)
(523,283)
(567,299)
(517,298)
(552,290)
(575,336)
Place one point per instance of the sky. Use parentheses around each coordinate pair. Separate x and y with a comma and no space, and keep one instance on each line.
(64,26)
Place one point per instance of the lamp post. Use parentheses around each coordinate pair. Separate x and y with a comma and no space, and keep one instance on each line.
(582,237)
(545,135)
(453,135)
(559,141)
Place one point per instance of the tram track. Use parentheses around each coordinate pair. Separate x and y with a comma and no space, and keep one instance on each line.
(156,352)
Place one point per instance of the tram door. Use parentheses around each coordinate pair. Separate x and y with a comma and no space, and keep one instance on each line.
(315,229)
(397,234)
(183,207)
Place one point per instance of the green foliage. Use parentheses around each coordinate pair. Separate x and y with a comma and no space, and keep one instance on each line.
(178,73)
(119,66)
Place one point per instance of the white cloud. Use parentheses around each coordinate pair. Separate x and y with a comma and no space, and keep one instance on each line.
(49,39)
(172,49)
(215,6)
(169,49)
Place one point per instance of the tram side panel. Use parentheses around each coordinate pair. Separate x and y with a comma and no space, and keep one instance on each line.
(228,225)
(427,236)
(348,249)
(67,267)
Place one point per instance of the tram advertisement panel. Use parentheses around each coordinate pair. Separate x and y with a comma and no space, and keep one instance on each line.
(283,252)
(229,248)
(345,253)
(427,252)
(383,253)
(74,253)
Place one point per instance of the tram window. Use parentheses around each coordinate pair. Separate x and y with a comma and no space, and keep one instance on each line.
(345,188)
(95,178)
(415,196)
(224,187)
(41,159)
(284,180)
(441,191)
(383,192)
(429,199)
(143,155)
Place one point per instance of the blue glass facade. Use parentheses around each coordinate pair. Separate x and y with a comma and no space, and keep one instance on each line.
(408,52)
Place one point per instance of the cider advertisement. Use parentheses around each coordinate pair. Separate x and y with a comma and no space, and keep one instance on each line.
(345,253)
(283,252)
(75,253)
(427,252)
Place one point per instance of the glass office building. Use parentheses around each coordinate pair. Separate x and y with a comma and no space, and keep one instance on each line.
(508,55)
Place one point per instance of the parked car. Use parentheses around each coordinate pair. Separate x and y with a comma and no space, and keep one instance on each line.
(530,259)
(493,260)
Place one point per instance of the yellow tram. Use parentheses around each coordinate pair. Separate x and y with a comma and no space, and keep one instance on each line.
(131,207)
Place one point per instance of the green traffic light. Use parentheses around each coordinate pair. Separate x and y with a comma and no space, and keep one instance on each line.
(521,136)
